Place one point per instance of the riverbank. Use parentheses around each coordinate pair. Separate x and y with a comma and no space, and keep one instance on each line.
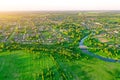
(86,51)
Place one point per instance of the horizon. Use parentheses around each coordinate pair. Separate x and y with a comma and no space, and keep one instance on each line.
(61,11)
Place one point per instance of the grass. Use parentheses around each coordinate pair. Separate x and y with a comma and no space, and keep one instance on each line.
(22,65)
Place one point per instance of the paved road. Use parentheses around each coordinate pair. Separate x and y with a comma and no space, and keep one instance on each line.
(12,34)
(85,50)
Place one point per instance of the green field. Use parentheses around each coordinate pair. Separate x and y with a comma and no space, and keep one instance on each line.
(22,65)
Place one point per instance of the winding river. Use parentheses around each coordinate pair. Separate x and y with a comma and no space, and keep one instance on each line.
(86,51)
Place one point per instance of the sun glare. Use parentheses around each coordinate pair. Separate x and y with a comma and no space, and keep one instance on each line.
(8,5)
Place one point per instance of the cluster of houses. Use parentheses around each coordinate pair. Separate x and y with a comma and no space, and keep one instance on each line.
(30,35)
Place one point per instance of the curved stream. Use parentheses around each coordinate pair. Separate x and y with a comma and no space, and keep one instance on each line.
(86,51)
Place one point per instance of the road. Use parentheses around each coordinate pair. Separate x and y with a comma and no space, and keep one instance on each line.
(86,51)
(12,34)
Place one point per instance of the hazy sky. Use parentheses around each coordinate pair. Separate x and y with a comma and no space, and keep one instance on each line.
(12,5)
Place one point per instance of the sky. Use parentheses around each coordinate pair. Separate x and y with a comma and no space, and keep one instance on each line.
(33,5)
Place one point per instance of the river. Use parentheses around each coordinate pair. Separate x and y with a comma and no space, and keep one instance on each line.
(86,51)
